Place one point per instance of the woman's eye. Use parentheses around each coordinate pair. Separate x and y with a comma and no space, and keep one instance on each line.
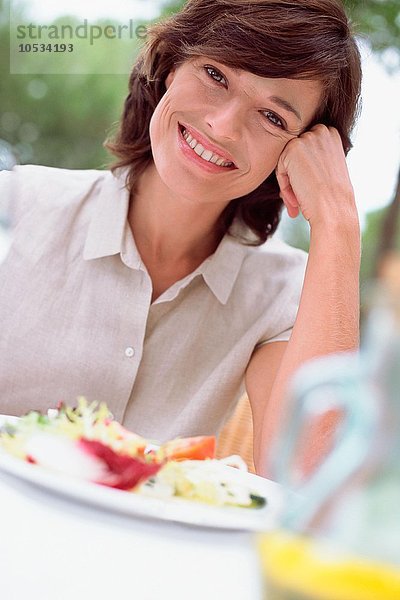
(214,74)
(219,78)
(274,119)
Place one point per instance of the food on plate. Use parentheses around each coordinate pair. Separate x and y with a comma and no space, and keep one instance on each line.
(202,480)
(194,448)
(86,442)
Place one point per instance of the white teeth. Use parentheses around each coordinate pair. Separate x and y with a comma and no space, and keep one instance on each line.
(203,153)
(198,149)
(207,154)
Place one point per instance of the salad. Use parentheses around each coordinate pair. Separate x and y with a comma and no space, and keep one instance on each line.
(86,442)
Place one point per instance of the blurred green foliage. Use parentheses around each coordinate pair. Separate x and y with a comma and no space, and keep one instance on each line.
(63,119)
(378,20)
(58,120)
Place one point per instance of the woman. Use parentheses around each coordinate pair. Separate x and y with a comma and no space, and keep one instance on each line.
(146,287)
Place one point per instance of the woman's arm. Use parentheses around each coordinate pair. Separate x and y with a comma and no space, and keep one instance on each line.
(313,177)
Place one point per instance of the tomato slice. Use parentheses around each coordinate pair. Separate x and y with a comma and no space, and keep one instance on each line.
(191,448)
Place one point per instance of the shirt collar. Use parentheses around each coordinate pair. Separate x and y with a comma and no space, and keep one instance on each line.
(108,235)
(221,269)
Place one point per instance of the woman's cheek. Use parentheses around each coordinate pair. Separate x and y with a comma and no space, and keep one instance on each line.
(266,162)
(155,121)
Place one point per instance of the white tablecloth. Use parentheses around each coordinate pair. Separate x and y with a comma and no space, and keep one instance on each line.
(52,548)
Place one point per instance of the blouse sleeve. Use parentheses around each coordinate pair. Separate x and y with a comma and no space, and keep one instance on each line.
(17,193)
(281,314)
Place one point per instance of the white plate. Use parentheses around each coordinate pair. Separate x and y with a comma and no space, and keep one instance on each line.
(174,509)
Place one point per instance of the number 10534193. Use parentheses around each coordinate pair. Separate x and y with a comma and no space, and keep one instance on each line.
(45,48)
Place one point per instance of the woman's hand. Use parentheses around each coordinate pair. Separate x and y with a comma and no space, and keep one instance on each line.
(313,178)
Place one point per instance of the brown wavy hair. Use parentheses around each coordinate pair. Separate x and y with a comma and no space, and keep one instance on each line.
(297,39)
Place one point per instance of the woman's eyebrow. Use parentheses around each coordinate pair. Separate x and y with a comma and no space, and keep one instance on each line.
(286,105)
(278,100)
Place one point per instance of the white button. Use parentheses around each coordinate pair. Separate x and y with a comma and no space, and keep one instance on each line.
(129,352)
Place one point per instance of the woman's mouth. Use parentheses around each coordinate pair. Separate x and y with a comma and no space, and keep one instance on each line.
(204,157)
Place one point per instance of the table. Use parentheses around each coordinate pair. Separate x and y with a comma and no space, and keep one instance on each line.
(52,548)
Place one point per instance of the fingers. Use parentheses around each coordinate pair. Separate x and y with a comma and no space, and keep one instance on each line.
(293,211)
(286,191)
(290,201)
(313,177)
(324,135)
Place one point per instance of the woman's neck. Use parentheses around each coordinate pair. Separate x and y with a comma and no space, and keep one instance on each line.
(171,229)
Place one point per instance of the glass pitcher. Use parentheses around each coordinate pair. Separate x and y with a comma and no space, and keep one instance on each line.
(339,535)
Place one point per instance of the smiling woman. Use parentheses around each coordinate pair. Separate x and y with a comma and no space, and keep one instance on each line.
(296,46)
(235,115)
(148,286)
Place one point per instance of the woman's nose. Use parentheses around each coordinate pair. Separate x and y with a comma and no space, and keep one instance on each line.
(226,120)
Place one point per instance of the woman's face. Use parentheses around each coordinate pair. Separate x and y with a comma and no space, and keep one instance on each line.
(232,115)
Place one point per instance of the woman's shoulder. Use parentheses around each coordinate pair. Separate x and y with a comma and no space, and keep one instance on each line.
(274,255)
(256,276)
(272,269)
(43,177)
(28,186)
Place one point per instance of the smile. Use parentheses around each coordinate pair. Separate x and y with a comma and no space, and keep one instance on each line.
(206,154)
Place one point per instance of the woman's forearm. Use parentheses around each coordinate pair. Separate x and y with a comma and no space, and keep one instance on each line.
(328,315)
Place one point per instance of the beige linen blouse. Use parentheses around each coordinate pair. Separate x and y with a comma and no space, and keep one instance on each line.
(77,318)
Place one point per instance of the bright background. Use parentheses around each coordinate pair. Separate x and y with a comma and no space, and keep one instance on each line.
(45,11)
